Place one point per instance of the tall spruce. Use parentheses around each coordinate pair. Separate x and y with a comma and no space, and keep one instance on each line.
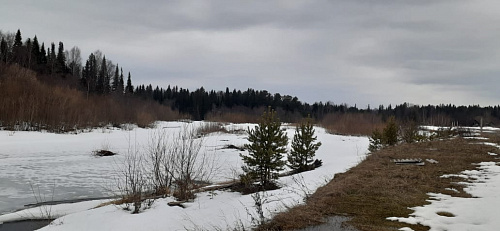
(129,89)
(61,59)
(52,57)
(121,85)
(35,50)
(304,147)
(391,132)
(17,48)
(43,54)
(268,143)
(116,79)
(3,50)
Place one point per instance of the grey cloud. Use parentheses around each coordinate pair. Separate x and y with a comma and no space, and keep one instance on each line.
(359,52)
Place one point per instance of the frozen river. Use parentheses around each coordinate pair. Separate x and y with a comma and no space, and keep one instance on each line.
(62,167)
(54,167)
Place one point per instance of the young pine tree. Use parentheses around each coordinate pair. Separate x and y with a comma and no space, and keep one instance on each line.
(388,137)
(267,146)
(391,132)
(304,147)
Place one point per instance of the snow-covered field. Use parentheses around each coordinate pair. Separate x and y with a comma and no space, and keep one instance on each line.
(63,164)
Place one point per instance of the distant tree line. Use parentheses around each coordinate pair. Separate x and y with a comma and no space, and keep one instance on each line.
(98,75)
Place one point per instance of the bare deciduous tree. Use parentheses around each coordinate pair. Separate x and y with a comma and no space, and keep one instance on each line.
(74,60)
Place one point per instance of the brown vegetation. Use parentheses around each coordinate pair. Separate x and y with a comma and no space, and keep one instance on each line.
(26,103)
(241,114)
(236,115)
(352,123)
(377,188)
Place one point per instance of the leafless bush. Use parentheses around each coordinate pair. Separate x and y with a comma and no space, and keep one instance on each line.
(133,183)
(171,164)
(409,132)
(191,167)
(177,164)
(210,127)
(160,162)
(257,217)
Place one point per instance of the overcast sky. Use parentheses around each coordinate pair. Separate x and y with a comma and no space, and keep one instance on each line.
(344,51)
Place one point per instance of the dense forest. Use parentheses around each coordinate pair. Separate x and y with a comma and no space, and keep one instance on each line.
(54,88)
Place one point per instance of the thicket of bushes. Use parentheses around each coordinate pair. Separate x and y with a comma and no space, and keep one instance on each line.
(26,103)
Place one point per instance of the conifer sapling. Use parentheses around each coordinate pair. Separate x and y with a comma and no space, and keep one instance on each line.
(304,147)
(267,145)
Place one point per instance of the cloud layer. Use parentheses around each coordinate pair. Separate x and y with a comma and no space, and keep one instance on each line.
(358,52)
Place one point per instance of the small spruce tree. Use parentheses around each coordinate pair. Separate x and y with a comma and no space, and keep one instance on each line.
(388,137)
(267,145)
(391,132)
(304,147)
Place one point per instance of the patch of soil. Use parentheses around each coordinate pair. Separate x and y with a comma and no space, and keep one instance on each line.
(231,146)
(246,189)
(103,153)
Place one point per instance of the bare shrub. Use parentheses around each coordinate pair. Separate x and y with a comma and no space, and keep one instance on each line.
(133,183)
(159,162)
(409,132)
(210,127)
(43,201)
(190,167)
(177,164)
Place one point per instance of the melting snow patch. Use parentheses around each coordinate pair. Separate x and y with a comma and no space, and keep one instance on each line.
(476,138)
(452,189)
(432,161)
(492,154)
(478,213)
(406,229)
(491,144)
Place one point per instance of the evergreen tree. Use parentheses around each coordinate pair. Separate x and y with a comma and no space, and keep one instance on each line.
(376,141)
(89,74)
(3,50)
(391,132)
(27,53)
(267,145)
(304,147)
(51,53)
(61,59)
(121,85)
(101,78)
(116,79)
(388,137)
(35,50)
(129,89)
(103,86)
(18,41)
(17,47)
(43,54)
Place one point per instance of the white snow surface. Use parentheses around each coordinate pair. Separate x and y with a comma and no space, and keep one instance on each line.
(63,163)
(477,213)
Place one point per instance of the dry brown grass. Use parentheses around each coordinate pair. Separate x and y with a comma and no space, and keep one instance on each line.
(235,115)
(352,123)
(377,188)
